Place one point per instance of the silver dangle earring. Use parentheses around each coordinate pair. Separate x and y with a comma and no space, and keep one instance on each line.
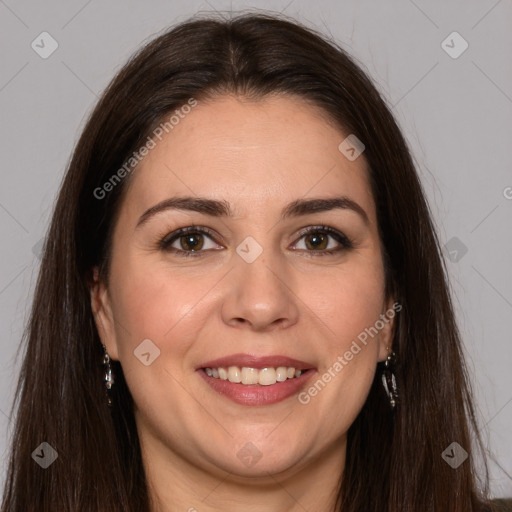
(389,380)
(109,377)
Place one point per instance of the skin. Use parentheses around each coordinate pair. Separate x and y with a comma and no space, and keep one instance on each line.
(259,156)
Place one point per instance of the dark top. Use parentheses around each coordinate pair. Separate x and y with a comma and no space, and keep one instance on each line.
(503,505)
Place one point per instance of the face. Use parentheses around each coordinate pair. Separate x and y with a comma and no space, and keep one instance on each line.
(252,289)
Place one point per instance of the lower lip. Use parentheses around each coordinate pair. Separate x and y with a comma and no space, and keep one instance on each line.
(254,394)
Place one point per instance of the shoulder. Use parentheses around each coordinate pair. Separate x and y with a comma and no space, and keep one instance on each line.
(501,505)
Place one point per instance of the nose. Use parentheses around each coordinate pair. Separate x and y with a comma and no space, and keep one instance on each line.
(260,295)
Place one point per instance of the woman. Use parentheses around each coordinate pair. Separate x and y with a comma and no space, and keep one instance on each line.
(242,258)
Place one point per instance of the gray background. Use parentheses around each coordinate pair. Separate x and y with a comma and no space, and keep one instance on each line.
(456,114)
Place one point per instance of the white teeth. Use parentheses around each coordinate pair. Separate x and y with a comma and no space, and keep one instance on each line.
(281,374)
(234,374)
(250,375)
(245,375)
(267,376)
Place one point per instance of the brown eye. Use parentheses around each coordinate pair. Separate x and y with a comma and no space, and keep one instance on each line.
(191,242)
(317,241)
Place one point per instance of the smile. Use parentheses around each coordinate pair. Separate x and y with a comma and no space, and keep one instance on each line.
(250,376)
(252,380)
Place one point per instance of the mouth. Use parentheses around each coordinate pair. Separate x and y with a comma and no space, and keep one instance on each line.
(251,380)
(248,376)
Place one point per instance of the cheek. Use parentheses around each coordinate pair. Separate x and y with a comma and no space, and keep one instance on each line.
(349,305)
(348,301)
(159,304)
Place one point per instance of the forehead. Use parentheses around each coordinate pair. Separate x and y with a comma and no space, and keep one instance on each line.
(254,154)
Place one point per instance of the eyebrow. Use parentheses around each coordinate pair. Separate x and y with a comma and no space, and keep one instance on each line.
(220,208)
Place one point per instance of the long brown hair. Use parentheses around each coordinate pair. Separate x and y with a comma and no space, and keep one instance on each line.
(394,460)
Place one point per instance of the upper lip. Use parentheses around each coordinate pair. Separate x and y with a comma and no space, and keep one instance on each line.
(252,361)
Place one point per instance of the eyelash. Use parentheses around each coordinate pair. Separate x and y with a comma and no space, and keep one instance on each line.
(167,240)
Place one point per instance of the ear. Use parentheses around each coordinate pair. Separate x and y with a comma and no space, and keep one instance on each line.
(387,333)
(103,316)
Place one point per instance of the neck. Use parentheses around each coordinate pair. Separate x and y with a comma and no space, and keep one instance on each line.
(177,484)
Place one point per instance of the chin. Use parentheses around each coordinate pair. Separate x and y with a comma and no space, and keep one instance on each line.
(258,461)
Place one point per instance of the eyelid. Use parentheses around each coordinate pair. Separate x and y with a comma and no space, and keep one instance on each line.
(170,238)
(339,236)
